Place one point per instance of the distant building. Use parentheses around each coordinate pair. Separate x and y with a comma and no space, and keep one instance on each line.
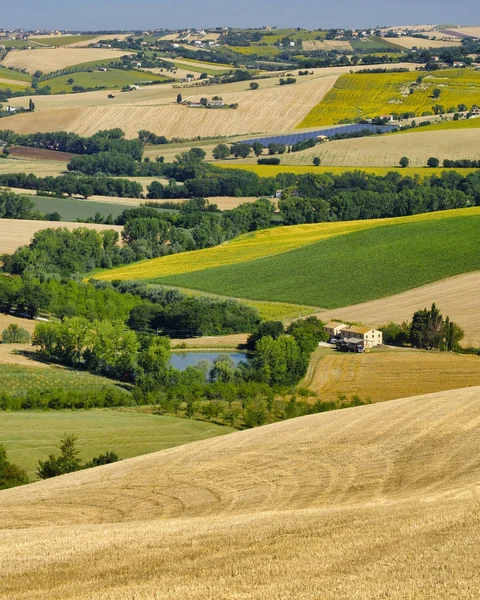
(353,338)
(334,328)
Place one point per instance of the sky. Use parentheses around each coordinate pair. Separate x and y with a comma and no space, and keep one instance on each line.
(92,15)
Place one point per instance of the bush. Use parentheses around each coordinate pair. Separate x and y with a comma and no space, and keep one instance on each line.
(433,162)
(268,161)
(10,474)
(14,334)
(317,161)
(404,162)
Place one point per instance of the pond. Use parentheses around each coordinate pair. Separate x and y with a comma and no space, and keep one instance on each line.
(182,360)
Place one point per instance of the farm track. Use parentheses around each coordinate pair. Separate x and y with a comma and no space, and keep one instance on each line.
(385,494)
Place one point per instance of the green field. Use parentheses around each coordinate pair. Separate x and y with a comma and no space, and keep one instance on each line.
(31,436)
(200,67)
(263,51)
(360,96)
(16,43)
(272,37)
(352,268)
(71,209)
(114,78)
(15,75)
(63,40)
(274,170)
(18,379)
(448,126)
(374,44)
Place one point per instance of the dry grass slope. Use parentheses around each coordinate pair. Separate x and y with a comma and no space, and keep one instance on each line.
(15,233)
(456,297)
(374,502)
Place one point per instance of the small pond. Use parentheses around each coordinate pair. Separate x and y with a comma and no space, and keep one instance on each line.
(182,360)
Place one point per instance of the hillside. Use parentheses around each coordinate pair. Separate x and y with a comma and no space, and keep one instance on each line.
(376,501)
(352,262)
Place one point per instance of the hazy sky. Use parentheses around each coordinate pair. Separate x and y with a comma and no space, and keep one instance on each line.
(312,14)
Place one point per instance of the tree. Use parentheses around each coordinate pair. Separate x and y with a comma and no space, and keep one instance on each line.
(257,148)
(436,93)
(179,99)
(67,462)
(317,161)
(433,162)
(240,150)
(14,334)
(254,85)
(31,105)
(404,162)
(102,459)
(10,474)
(221,152)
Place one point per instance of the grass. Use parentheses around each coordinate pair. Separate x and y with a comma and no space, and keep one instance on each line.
(63,40)
(200,67)
(274,170)
(18,379)
(71,210)
(349,269)
(374,44)
(373,502)
(15,75)
(31,436)
(263,51)
(448,126)
(114,78)
(360,96)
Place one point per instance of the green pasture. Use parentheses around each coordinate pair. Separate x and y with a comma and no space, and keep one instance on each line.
(352,268)
(263,51)
(18,379)
(472,123)
(111,79)
(63,40)
(71,209)
(31,436)
(374,43)
(15,75)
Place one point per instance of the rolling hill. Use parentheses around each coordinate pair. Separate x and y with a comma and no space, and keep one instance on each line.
(371,502)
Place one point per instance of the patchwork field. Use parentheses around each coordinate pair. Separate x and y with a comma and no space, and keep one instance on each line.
(259,110)
(111,79)
(32,436)
(359,96)
(456,296)
(390,374)
(391,258)
(370,490)
(48,60)
(15,233)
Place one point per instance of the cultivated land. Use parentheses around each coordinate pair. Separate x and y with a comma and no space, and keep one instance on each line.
(42,168)
(386,150)
(391,374)
(15,233)
(48,60)
(456,296)
(62,40)
(32,436)
(357,95)
(413,42)
(384,494)
(111,79)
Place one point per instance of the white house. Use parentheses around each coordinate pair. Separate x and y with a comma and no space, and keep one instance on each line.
(370,337)
(334,328)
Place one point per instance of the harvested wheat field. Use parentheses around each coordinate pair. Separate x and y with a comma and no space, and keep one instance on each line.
(39,154)
(327,45)
(41,168)
(472,31)
(386,150)
(265,109)
(13,354)
(106,37)
(15,232)
(378,501)
(48,60)
(389,374)
(457,297)
(413,42)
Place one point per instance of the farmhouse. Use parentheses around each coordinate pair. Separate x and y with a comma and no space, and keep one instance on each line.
(334,328)
(353,338)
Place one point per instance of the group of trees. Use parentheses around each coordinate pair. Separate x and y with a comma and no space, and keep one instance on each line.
(428,330)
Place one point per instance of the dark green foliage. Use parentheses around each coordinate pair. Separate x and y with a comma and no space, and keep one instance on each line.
(396,335)
(10,474)
(67,462)
(433,162)
(58,399)
(268,161)
(13,206)
(102,459)
(431,331)
(274,329)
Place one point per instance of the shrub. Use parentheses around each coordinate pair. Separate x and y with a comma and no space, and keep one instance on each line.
(14,334)
(10,474)
(433,162)
(268,161)
(404,162)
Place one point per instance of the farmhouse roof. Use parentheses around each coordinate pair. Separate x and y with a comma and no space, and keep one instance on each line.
(360,330)
(335,324)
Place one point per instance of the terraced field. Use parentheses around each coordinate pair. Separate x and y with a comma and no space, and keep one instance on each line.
(375,501)
(360,96)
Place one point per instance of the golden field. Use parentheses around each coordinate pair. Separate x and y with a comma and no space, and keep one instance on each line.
(387,150)
(377,501)
(260,244)
(48,60)
(15,233)
(389,374)
(455,296)
(410,42)
(41,168)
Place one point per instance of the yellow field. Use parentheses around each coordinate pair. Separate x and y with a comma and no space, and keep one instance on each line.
(473,31)
(268,242)
(327,45)
(358,96)
(15,233)
(386,151)
(378,501)
(456,297)
(412,42)
(96,40)
(53,59)
(390,374)
(260,110)
(41,168)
